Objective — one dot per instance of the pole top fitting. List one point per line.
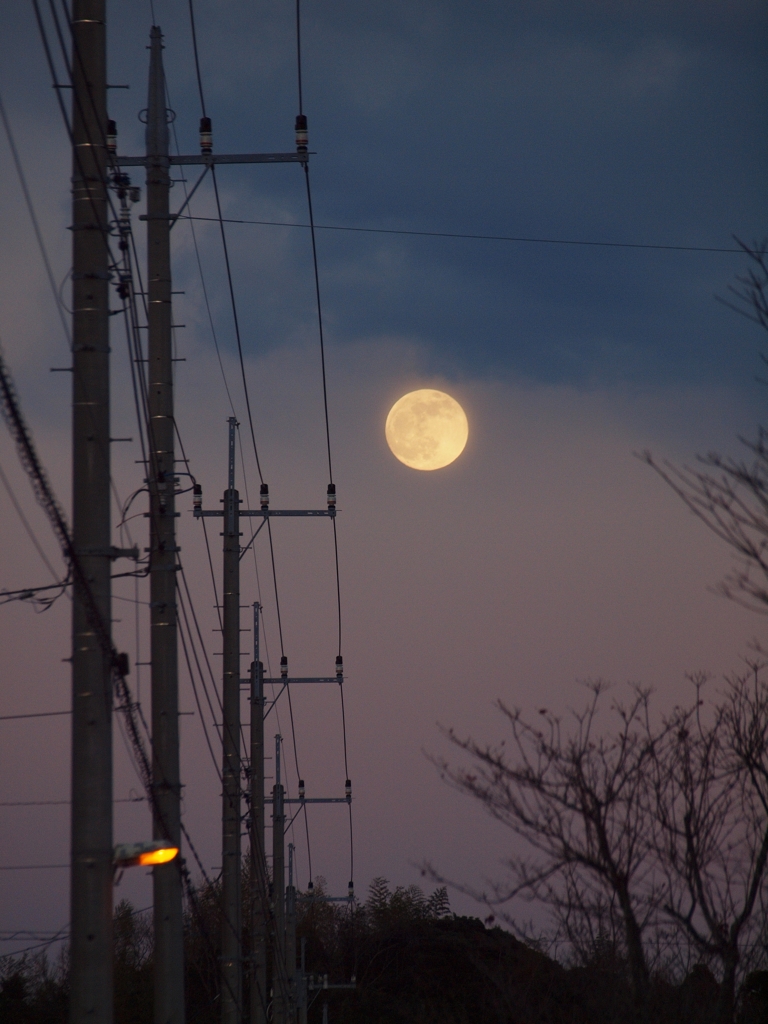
(206, 135)
(301, 133)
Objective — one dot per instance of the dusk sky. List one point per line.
(548, 553)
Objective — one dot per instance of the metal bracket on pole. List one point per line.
(270, 512)
(209, 159)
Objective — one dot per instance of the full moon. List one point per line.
(426, 429)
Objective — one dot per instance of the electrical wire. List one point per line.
(45, 496)
(31, 867)
(474, 237)
(241, 359)
(35, 223)
(52, 803)
(102, 228)
(197, 57)
(327, 428)
(202, 679)
(215, 340)
(263, 887)
(63, 933)
(125, 705)
(298, 56)
(29, 593)
(236, 321)
(211, 673)
(25, 523)
(319, 316)
(195, 245)
(35, 714)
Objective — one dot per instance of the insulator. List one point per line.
(301, 789)
(284, 666)
(206, 135)
(310, 886)
(264, 495)
(348, 790)
(331, 495)
(301, 133)
(339, 667)
(351, 890)
(134, 193)
(111, 137)
(197, 497)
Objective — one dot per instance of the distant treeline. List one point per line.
(414, 962)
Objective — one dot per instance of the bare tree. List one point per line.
(711, 824)
(731, 495)
(579, 800)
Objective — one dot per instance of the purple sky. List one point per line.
(547, 554)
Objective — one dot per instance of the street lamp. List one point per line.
(128, 855)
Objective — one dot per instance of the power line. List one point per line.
(102, 228)
(29, 594)
(33, 218)
(197, 57)
(331, 488)
(319, 318)
(61, 803)
(27, 527)
(236, 321)
(45, 496)
(61, 935)
(269, 915)
(32, 867)
(194, 238)
(35, 714)
(474, 237)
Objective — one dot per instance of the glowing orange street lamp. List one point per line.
(128, 855)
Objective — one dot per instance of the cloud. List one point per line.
(547, 552)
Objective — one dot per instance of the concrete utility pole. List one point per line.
(231, 945)
(231, 957)
(259, 995)
(168, 922)
(91, 835)
(302, 994)
(279, 973)
(290, 937)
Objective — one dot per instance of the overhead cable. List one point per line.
(35, 224)
(301, 121)
(475, 237)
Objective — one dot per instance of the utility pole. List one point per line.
(279, 972)
(231, 976)
(302, 995)
(290, 938)
(166, 784)
(231, 945)
(91, 822)
(259, 896)
(169, 1006)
